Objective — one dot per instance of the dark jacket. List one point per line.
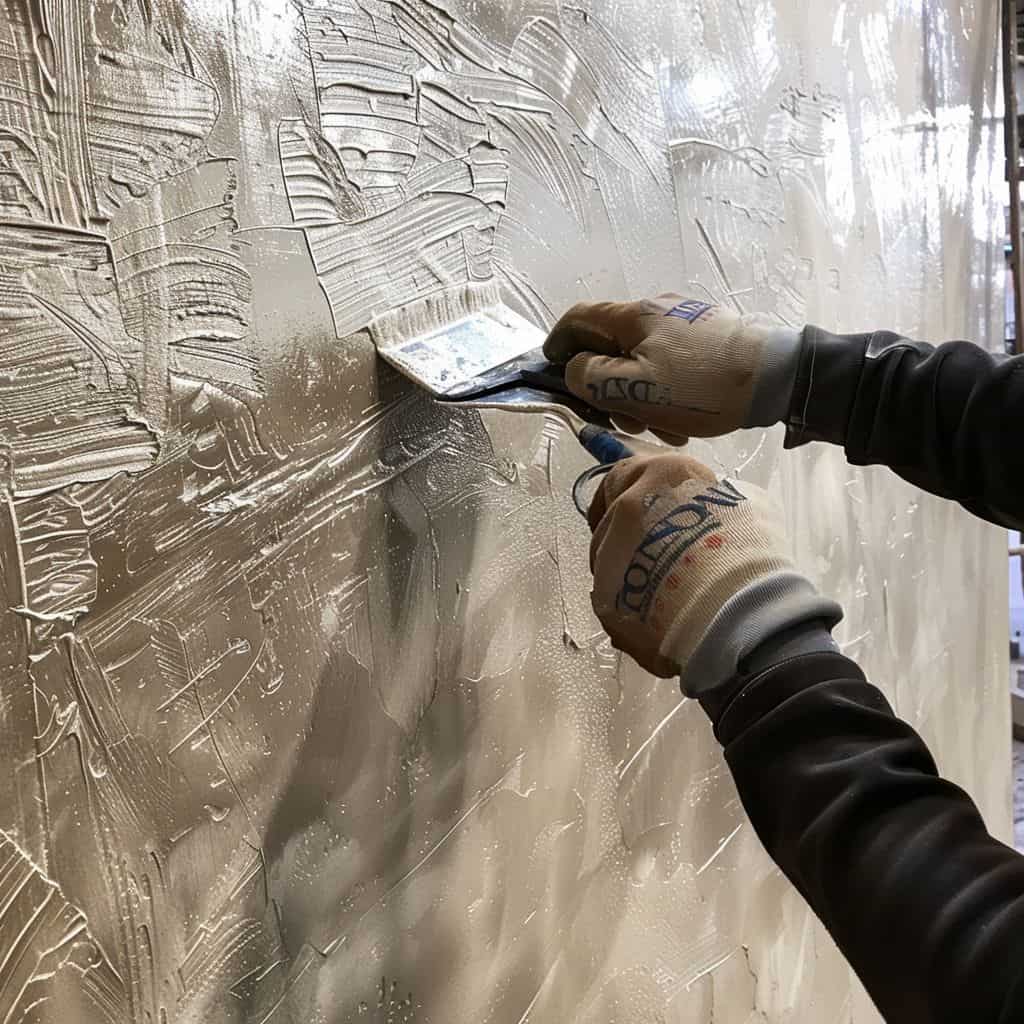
(897, 862)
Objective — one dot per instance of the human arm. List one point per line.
(897, 863)
(927, 907)
(947, 419)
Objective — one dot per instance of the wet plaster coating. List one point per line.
(305, 714)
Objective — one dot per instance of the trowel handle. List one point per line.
(608, 450)
(604, 446)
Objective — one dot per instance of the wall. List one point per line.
(305, 714)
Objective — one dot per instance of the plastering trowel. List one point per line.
(466, 347)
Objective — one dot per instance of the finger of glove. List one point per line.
(675, 440)
(616, 520)
(645, 475)
(649, 474)
(612, 551)
(628, 425)
(611, 328)
(599, 503)
(618, 385)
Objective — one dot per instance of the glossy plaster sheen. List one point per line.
(305, 715)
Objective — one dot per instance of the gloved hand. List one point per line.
(690, 573)
(681, 367)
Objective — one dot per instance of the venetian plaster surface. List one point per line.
(305, 716)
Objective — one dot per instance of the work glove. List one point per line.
(690, 572)
(682, 367)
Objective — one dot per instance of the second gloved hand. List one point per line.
(690, 572)
(683, 367)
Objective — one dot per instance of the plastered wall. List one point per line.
(304, 715)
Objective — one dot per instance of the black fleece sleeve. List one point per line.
(927, 907)
(948, 419)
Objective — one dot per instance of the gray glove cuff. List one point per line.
(763, 609)
(776, 379)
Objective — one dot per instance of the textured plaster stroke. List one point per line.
(56, 294)
(86, 361)
(270, 512)
(185, 285)
(24, 814)
(313, 720)
(625, 127)
(48, 173)
(69, 147)
(182, 271)
(103, 100)
(48, 949)
(60, 573)
(411, 155)
(441, 235)
(86, 143)
(410, 171)
(122, 784)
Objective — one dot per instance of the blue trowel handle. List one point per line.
(605, 447)
(608, 450)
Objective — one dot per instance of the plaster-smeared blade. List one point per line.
(460, 356)
(465, 346)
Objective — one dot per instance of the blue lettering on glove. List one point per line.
(690, 310)
(667, 541)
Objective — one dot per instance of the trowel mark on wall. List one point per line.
(150, 102)
(41, 106)
(402, 185)
(611, 107)
(79, 145)
(50, 950)
(542, 150)
(60, 573)
(734, 199)
(185, 285)
(438, 230)
(146, 122)
(188, 296)
(92, 759)
(401, 162)
(66, 394)
(88, 122)
(276, 506)
(803, 134)
(111, 101)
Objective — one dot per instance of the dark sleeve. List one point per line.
(948, 419)
(927, 907)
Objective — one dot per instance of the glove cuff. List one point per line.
(776, 378)
(763, 609)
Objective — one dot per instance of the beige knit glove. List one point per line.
(681, 367)
(690, 573)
